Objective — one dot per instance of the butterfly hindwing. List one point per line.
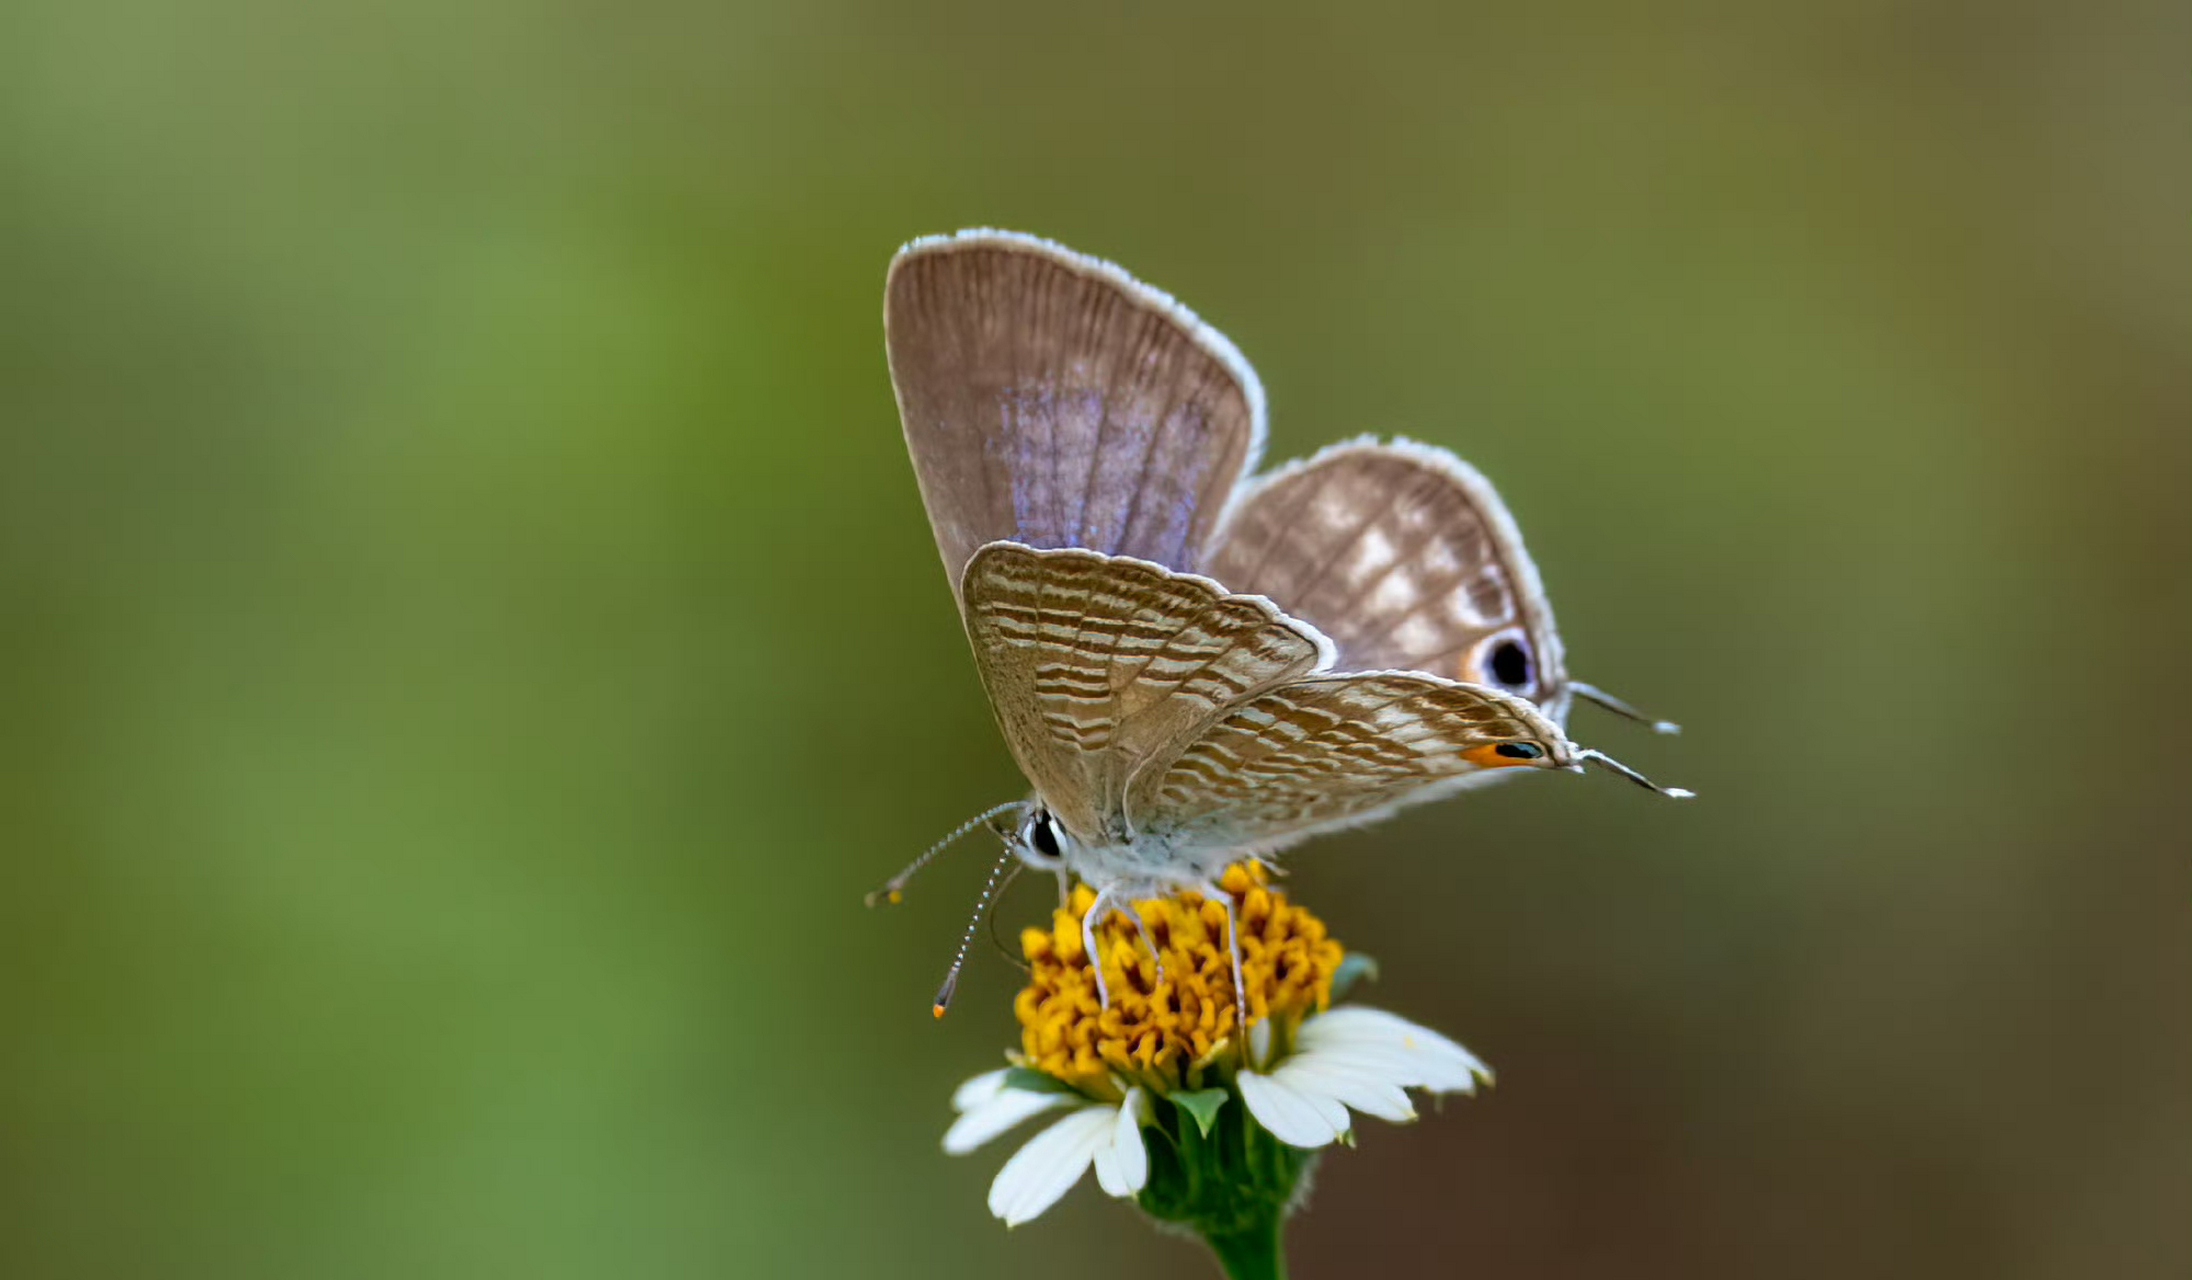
(1331, 751)
(1052, 400)
(1406, 557)
(1097, 665)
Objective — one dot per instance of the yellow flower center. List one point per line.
(1157, 1031)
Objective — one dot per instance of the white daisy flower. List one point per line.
(1237, 1118)
(1106, 1135)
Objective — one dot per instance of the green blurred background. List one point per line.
(472, 635)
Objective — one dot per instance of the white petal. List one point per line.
(1367, 1092)
(1358, 1024)
(1259, 1042)
(1290, 1117)
(1122, 1168)
(1424, 1057)
(1330, 1108)
(1392, 1066)
(1048, 1166)
(979, 1090)
(991, 1118)
(1108, 1174)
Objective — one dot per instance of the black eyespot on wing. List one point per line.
(1043, 834)
(1510, 665)
(1519, 751)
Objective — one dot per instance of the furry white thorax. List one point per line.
(1148, 866)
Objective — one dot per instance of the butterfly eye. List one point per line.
(1519, 751)
(1042, 835)
(1510, 664)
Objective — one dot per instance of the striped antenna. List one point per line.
(996, 940)
(1592, 693)
(1005, 860)
(1611, 765)
(895, 888)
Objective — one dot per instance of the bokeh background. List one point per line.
(472, 637)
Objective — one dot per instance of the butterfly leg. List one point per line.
(1213, 893)
(1097, 910)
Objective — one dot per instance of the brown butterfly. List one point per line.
(1190, 664)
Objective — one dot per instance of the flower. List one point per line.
(1171, 1034)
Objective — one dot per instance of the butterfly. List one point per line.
(1189, 662)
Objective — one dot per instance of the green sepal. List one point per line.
(1202, 1104)
(1354, 967)
(1029, 1080)
(1226, 1179)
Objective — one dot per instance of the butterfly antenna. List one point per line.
(1611, 765)
(1592, 693)
(997, 940)
(895, 888)
(950, 988)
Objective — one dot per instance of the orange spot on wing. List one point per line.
(1486, 757)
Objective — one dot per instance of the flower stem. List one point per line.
(1232, 1186)
(1251, 1253)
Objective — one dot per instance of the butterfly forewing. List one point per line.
(1098, 664)
(1052, 400)
(1328, 751)
(1404, 556)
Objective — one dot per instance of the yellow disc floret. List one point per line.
(1159, 1030)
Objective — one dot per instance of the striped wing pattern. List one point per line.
(1401, 553)
(1331, 750)
(1096, 665)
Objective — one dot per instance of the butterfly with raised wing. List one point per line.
(1191, 665)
